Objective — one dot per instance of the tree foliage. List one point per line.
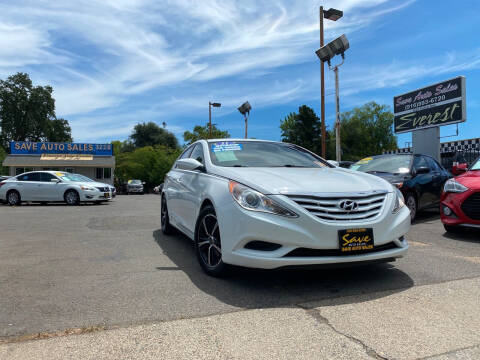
(27, 112)
(3, 154)
(202, 132)
(149, 163)
(304, 129)
(366, 131)
(150, 134)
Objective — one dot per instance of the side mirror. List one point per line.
(189, 164)
(56, 181)
(422, 170)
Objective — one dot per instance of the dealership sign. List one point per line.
(39, 148)
(435, 105)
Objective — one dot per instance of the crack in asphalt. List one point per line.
(315, 314)
(451, 352)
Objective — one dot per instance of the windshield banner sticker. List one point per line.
(226, 146)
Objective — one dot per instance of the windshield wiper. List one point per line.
(237, 165)
(294, 166)
(377, 172)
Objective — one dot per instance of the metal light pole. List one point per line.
(210, 104)
(245, 111)
(334, 15)
(338, 151)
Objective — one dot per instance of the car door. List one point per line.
(193, 183)
(423, 182)
(437, 179)
(27, 185)
(174, 191)
(48, 190)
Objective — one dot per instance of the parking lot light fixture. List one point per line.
(245, 111)
(332, 14)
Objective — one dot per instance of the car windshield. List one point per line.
(395, 164)
(134, 182)
(71, 177)
(476, 165)
(84, 178)
(262, 154)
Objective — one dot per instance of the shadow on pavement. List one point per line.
(253, 288)
(427, 215)
(464, 234)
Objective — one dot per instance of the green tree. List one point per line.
(150, 134)
(3, 155)
(27, 112)
(202, 132)
(58, 130)
(149, 163)
(366, 131)
(303, 128)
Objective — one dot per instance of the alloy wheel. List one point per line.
(71, 198)
(412, 206)
(209, 245)
(13, 198)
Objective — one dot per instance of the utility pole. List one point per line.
(322, 87)
(210, 104)
(338, 150)
(246, 126)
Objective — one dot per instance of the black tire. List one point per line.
(14, 198)
(452, 228)
(71, 197)
(167, 229)
(208, 243)
(411, 202)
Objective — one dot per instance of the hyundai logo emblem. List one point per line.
(348, 205)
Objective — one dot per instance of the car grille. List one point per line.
(103, 189)
(327, 208)
(471, 206)
(305, 252)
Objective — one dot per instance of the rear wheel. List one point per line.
(208, 245)
(13, 198)
(72, 198)
(167, 229)
(412, 205)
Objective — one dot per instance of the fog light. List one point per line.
(447, 211)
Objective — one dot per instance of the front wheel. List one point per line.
(208, 245)
(411, 203)
(167, 229)
(72, 198)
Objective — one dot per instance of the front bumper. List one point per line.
(135, 190)
(239, 227)
(454, 201)
(95, 196)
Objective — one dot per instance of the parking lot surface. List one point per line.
(95, 267)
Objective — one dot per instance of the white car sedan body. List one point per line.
(53, 186)
(266, 205)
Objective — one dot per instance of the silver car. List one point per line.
(52, 186)
(135, 187)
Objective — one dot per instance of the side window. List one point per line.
(420, 161)
(197, 153)
(432, 164)
(30, 177)
(46, 177)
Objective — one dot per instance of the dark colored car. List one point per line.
(420, 178)
(345, 164)
(460, 203)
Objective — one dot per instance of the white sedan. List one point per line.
(53, 186)
(265, 204)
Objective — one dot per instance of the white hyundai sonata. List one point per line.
(266, 204)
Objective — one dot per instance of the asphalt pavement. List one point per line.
(86, 269)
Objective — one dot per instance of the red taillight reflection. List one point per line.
(1, 184)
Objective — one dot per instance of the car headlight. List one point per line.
(453, 186)
(87, 188)
(399, 201)
(250, 199)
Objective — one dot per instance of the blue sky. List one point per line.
(114, 63)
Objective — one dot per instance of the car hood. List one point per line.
(470, 179)
(304, 180)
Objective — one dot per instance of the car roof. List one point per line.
(239, 139)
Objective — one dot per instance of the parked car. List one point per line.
(52, 186)
(460, 203)
(4, 177)
(420, 178)
(265, 204)
(135, 187)
(345, 164)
